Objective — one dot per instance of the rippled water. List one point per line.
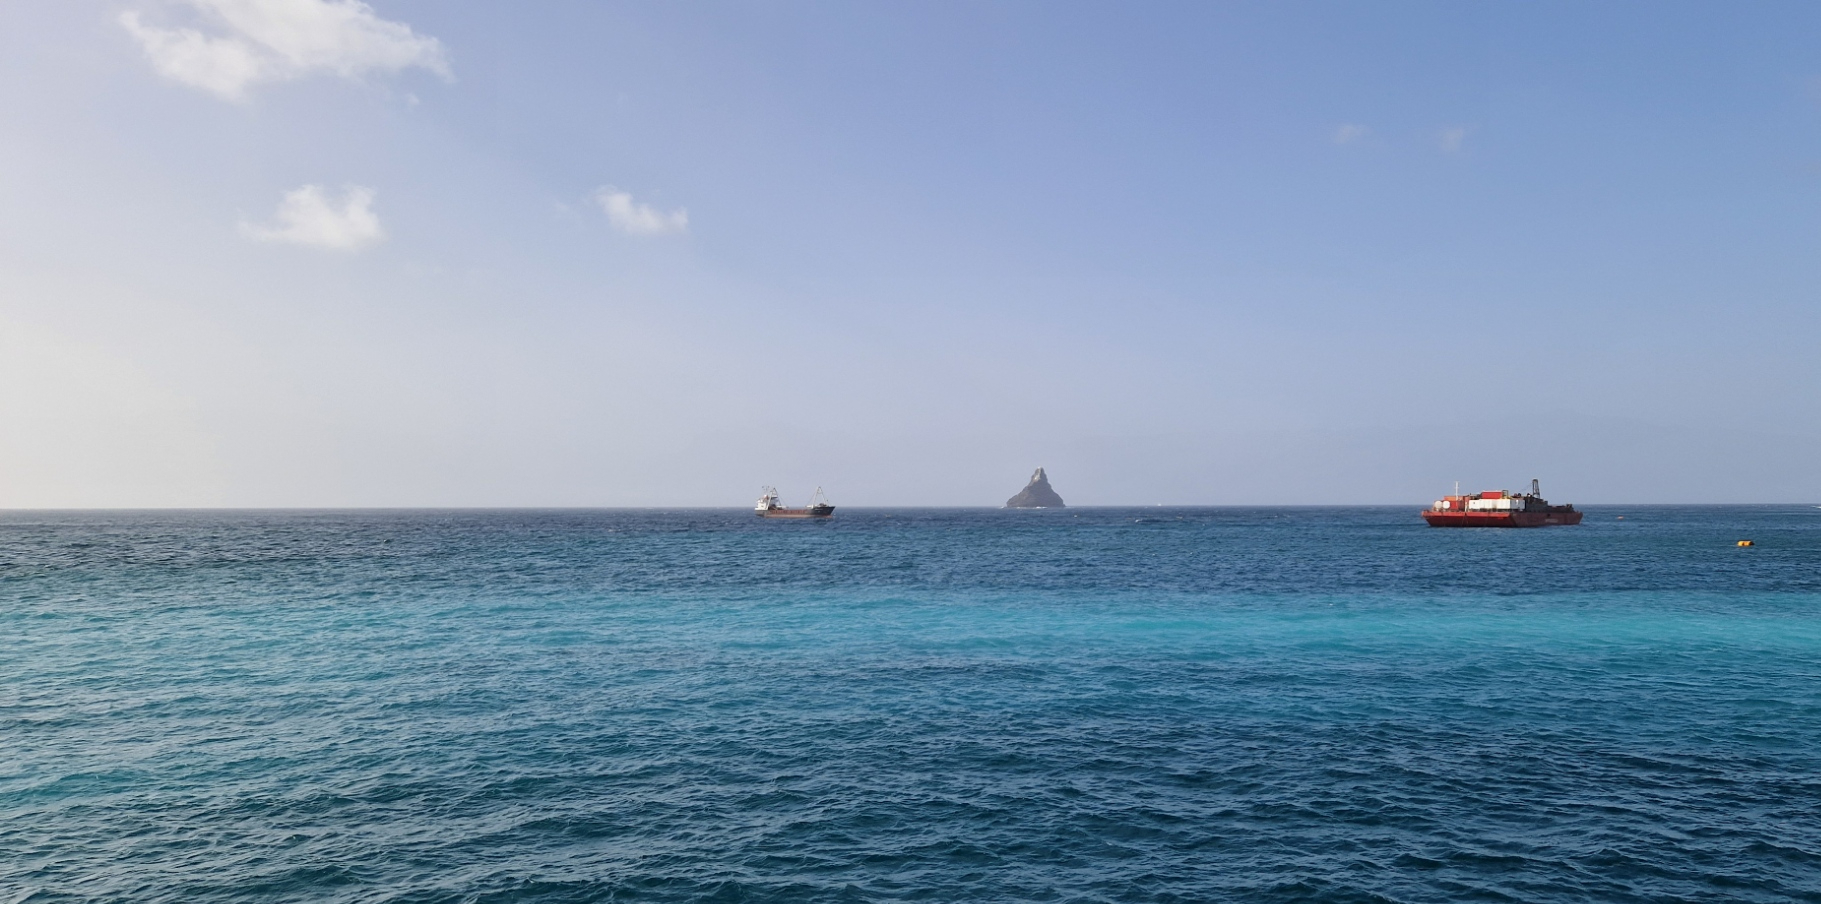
(1076, 705)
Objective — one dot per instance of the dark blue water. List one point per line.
(1093, 705)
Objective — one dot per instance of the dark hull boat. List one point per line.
(769, 507)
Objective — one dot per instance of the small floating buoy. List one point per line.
(1621, 517)
(1746, 543)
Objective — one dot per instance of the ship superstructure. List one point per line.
(1500, 508)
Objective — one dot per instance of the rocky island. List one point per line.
(1036, 494)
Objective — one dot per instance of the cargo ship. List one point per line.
(1499, 508)
(770, 507)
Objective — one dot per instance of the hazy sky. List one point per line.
(421, 252)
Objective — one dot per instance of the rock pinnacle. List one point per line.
(1036, 494)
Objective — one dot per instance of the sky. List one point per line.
(275, 253)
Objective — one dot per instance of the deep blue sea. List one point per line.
(1108, 705)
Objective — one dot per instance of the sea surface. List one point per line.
(1106, 705)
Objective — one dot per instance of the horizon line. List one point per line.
(725, 508)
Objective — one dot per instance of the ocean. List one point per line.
(1075, 705)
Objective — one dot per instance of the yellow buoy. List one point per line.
(1746, 543)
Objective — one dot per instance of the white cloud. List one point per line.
(633, 218)
(307, 216)
(1452, 138)
(1349, 133)
(275, 40)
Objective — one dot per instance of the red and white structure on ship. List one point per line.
(1500, 508)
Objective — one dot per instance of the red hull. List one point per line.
(1501, 519)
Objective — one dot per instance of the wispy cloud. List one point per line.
(307, 216)
(1451, 138)
(254, 41)
(1348, 133)
(633, 218)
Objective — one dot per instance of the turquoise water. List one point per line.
(932, 705)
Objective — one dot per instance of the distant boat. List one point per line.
(769, 506)
(1499, 508)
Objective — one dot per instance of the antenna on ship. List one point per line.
(1457, 488)
(1534, 490)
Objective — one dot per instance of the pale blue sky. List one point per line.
(663, 253)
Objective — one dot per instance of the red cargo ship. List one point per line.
(1499, 508)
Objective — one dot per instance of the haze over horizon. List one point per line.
(322, 253)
